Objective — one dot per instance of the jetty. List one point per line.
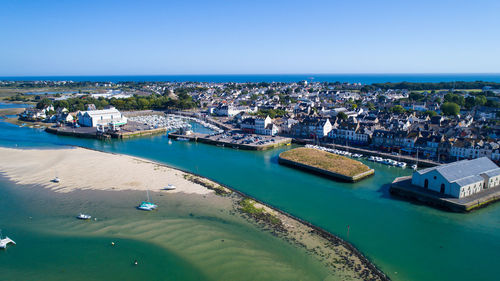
(403, 187)
(235, 140)
(325, 164)
(132, 129)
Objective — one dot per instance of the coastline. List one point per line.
(337, 254)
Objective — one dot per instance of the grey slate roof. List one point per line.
(462, 170)
(468, 180)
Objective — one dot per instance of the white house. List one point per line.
(94, 118)
(262, 126)
(459, 179)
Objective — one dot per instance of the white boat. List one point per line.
(56, 180)
(414, 166)
(169, 187)
(401, 164)
(84, 217)
(5, 241)
(147, 205)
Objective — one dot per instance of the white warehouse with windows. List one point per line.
(105, 117)
(459, 179)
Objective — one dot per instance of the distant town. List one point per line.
(443, 122)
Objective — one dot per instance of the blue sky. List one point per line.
(248, 37)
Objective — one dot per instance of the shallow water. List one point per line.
(408, 241)
(188, 238)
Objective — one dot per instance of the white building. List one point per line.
(459, 179)
(105, 117)
(229, 110)
(261, 126)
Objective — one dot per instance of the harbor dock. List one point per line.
(131, 129)
(235, 140)
(403, 187)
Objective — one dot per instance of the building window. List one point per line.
(434, 177)
(442, 188)
(426, 183)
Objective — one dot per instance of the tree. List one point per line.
(481, 100)
(370, 106)
(43, 103)
(470, 102)
(398, 109)
(454, 98)
(450, 108)
(342, 116)
(414, 96)
(430, 113)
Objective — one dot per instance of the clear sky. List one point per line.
(125, 37)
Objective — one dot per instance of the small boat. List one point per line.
(147, 205)
(414, 166)
(169, 187)
(401, 164)
(84, 217)
(5, 241)
(56, 180)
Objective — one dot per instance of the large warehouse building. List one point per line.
(459, 179)
(105, 117)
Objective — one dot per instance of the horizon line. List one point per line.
(256, 74)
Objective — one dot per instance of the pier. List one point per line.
(238, 141)
(132, 129)
(403, 187)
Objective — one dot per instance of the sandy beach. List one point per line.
(82, 169)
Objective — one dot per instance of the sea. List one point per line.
(255, 78)
(406, 240)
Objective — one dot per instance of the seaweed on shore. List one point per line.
(246, 205)
(219, 190)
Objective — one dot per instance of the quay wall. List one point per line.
(231, 145)
(423, 163)
(402, 187)
(95, 135)
(323, 172)
(55, 131)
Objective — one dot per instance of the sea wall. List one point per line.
(197, 138)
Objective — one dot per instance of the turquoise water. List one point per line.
(408, 241)
(183, 240)
(352, 78)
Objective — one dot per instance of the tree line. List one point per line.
(183, 101)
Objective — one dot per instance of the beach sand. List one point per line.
(79, 168)
(82, 169)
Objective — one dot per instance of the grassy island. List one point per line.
(325, 163)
